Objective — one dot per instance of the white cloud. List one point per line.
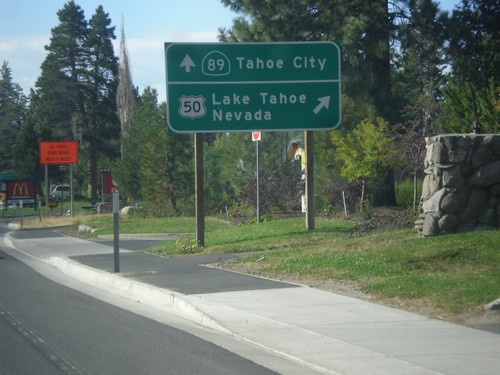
(25, 55)
(147, 58)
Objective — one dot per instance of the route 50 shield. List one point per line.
(192, 106)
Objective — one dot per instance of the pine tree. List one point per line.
(59, 85)
(473, 92)
(25, 149)
(366, 31)
(364, 28)
(77, 87)
(12, 113)
(156, 166)
(100, 133)
(419, 81)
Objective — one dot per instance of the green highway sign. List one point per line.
(225, 87)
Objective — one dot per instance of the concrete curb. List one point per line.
(158, 298)
(146, 236)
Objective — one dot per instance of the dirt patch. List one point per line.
(383, 218)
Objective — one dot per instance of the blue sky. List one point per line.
(25, 28)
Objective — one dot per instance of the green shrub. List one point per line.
(404, 193)
(186, 245)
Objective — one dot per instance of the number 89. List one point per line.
(214, 65)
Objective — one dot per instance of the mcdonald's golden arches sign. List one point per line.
(17, 190)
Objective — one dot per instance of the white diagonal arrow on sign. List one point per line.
(187, 63)
(324, 102)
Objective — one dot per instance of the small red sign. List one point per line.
(58, 152)
(256, 136)
(107, 183)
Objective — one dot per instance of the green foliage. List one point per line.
(364, 211)
(12, 114)
(364, 153)
(228, 165)
(187, 245)
(25, 150)
(404, 193)
(230, 173)
(418, 82)
(474, 53)
(156, 166)
(463, 102)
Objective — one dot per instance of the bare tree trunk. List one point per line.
(362, 203)
(92, 171)
(125, 98)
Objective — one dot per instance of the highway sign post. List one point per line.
(228, 87)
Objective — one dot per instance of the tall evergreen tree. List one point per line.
(77, 87)
(156, 166)
(473, 92)
(100, 133)
(419, 80)
(364, 28)
(12, 113)
(62, 106)
(366, 31)
(25, 149)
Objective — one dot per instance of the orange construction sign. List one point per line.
(59, 152)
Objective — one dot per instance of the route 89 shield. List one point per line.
(192, 106)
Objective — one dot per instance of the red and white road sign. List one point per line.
(256, 136)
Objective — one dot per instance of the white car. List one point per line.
(61, 191)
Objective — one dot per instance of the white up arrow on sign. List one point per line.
(187, 63)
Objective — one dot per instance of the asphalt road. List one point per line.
(48, 328)
(186, 274)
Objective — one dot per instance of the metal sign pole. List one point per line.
(72, 202)
(258, 180)
(21, 212)
(199, 193)
(116, 227)
(46, 190)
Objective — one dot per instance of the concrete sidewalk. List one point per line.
(330, 333)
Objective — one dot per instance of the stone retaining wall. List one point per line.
(461, 189)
